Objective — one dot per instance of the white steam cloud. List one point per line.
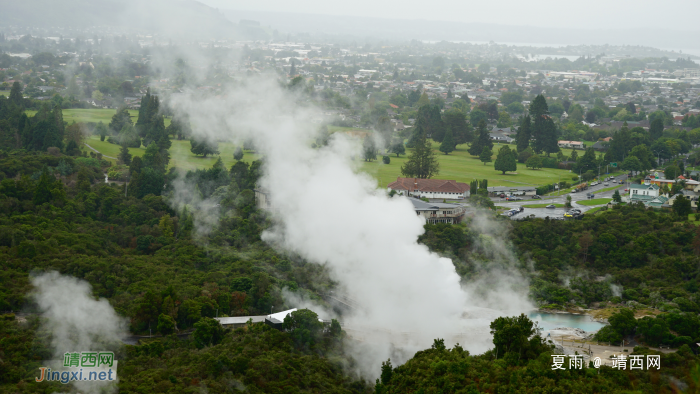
(329, 213)
(76, 321)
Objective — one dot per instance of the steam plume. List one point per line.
(75, 320)
(328, 212)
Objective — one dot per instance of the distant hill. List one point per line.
(173, 18)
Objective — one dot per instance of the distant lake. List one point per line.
(548, 321)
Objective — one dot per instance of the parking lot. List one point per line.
(558, 213)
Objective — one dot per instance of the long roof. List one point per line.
(429, 185)
(420, 205)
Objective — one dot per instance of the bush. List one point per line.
(608, 334)
(386, 160)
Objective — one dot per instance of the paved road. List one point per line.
(559, 212)
(109, 157)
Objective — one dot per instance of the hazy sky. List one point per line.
(595, 14)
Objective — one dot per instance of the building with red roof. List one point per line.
(430, 188)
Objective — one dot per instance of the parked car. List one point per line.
(513, 198)
(502, 195)
(574, 191)
(551, 206)
(536, 197)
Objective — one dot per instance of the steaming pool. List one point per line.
(549, 321)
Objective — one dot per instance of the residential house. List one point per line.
(571, 144)
(500, 137)
(430, 188)
(644, 193)
(438, 212)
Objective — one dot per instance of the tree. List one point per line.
(516, 335)
(525, 154)
(203, 148)
(238, 154)
(587, 161)
(423, 100)
(42, 193)
(448, 143)
(534, 162)
(386, 159)
(124, 155)
(101, 130)
(568, 202)
(369, 149)
(504, 120)
(72, 148)
(538, 107)
(457, 122)
(303, 327)
(207, 332)
(397, 147)
(522, 137)
(672, 172)
(574, 156)
(483, 140)
(166, 324)
(631, 163)
(656, 129)
(591, 116)
(431, 119)
(505, 161)
(476, 116)
(120, 119)
(422, 162)
(681, 206)
(616, 196)
(485, 155)
(16, 94)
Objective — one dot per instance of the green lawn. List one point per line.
(542, 205)
(595, 201)
(593, 210)
(93, 115)
(5, 93)
(607, 189)
(462, 167)
(180, 155)
(335, 129)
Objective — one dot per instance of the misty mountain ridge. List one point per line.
(173, 18)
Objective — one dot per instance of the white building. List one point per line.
(430, 188)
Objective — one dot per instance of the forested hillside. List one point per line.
(167, 273)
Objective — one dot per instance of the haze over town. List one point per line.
(386, 198)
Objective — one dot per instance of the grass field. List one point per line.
(180, 155)
(5, 93)
(458, 165)
(93, 115)
(607, 189)
(542, 205)
(462, 167)
(595, 201)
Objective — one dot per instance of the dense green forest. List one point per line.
(155, 265)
